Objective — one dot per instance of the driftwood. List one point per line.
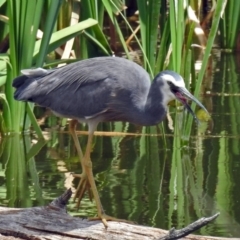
(53, 223)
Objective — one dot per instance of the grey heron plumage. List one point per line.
(99, 90)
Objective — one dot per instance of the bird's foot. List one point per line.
(83, 186)
(105, 218)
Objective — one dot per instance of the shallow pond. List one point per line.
(152, 180)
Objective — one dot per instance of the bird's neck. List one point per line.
(153, 110)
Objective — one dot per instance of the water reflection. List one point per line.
(147, 179)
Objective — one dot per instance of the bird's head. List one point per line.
(174, 88)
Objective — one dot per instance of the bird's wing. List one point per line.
(82, 89)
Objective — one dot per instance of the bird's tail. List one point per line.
(21, 82)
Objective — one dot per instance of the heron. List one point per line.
(102, 89)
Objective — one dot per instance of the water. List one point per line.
(143, 178)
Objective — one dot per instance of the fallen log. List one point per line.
(53, 223)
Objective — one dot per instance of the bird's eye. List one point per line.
(172, 87)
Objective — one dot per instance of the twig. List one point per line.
(61, 202)
(176, 234)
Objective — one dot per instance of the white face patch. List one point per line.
(169, 78)
(175, 79)
(167, 94)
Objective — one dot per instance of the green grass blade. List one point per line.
(7, 118)
(97, 40)
(51, 20)
(213, 31)
(143, 19)
(35, 12)
(60, 37)
(153, 19)
(109, 9)
(172, 16)
(2, 2)
(33, 120)
(161, 55)
(235, 23)
(34, 150)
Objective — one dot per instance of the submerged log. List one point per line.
(53, 223)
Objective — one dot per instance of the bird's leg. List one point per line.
(87, 165)
(83, 184)
(72, 130)
(87, 181)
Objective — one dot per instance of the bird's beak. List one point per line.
(181, 95)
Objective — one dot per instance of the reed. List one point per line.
(229, 25)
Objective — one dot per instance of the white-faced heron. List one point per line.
(102, 89)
